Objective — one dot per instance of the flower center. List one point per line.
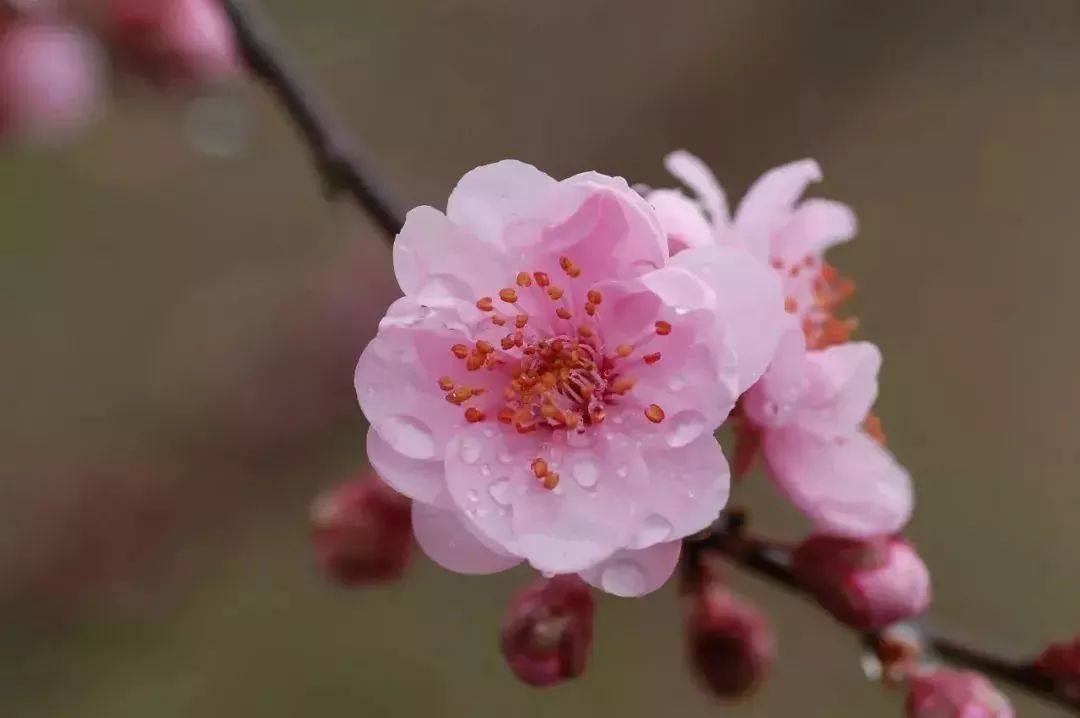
(817, 290)
(559, 372)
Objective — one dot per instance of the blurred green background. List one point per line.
(180, 330)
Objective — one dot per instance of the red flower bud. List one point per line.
(362, 532)
(731, 644)
(947, 693)
(1061, 662)
(866, 584)
(547, 631)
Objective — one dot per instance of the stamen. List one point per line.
(460, 395)
(663, 328)
(484, 304)
(551, 481)
(652, 358)
(498, 321)
(507, 342)
(791, 305)
(539, 468)
(624, 350)
(484, 347)
(569, 267)
(590, 309)
(524, 280)
(508, 295)
(555, 293)
(595, 297)
(542, 279)
(446, 383)
(474, 362)
(521, 320)
(460, 351)
(622, 385)
(563, 313)
(506, 416)
(654, 414)
(474, 415)
(586, 331)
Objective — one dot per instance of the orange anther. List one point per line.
(484, 347)
(624, 350)
(474, 415)
(523, 279)
(548, 411)
(563, 313)
(460, 395)
(484, 304)
(542, 279)
(539, 468)
(498, 321)
(446, 383)
(775, 263)
(572, 420)
(507, 342)
(590, 309)
(586, 331)
(508, 295)
(554, 292)
(506, 416)
(519, 339)
(460, 351)
(791, 305)
(551, 481)
(595, 297)
(623, 384)
(654, 414)
(663, 328)
(474, 362)
(549, 380)
(652, 358)
(521, 320)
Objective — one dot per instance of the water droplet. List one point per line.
(681, 310)
(586, 474)
(655, 529)
(623, 471)
(684, 427)
(469, 451)
(579, 440)
(489, 432)
(623, 579)
(555, 453)
(473, 496)
(676, 383)
(409, 436)
(501, 491)
(504, 457)
(485, 470)
(619, 418)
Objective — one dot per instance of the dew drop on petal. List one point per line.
(501, 491)
(505, 457)
(469, 451)
(489, 432)
(473, 496)
(623, 579)
(684, 427)
(485, 470)
(579, 440)
(409, 436)
(623, 471)
(676, 383)
(655, 529)
(585, 473)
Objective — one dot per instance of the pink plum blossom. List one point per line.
(51, 81)
(548, 387)
(809, 410)
(948, 693)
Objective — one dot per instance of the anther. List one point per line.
(539, 468)
(791, 305)
(506, 416)
(586, 331)
(521, 320)
(474, 415)
(624, 350)
(460, 395)
(563, 313)
(595, 297)
(508, 295)
(542, 279)
(555, 293)
(551, 480)
(507, 342)
(654, 414)
(622, 385)
(652, 358)
(663, 328)
(474, 362)
(460, 351)
(446, 383)
(498, 321)
(484, 304)
(569, 267)
(590, 309)
(524, 280)
(484, 347)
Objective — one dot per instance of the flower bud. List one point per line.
(867, 585)
(547, 631)
(731, 644)
(362, 532)
(947, 693)
(1061, 663)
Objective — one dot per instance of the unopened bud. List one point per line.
(731, 644)
(867, 585)
(947, 693)
(362, 532)
(547, 631)
(1061, 663)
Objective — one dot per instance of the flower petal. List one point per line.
(841, 384)
(632, 573)
(490, 198)
(848, 486)
(447, 540)
(769, 202)
(684, 223)
(423, 481)
(815, 226)
(696, 175)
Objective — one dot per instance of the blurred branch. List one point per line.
(335, 159)
(772, 561)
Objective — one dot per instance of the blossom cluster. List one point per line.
(54, 56)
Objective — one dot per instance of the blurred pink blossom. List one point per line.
(51, 81)
(947, 693)
(809, 410)
(867, 585)
(547, 632)
(732, 646)
(549, 386)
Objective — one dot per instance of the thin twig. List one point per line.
(341, 171)
(772, 561)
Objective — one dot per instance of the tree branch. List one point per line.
(342, 173)
(772, 561)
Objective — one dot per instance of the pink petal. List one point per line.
(774, 400)
(423, 481)
(684, 491)
(815, 226)
(769, 203)
(632, 573)
(683, 220)
(841, 385)
(490, 198)
(848, 486)
(749, 308)
(696, 175)
(447, 540)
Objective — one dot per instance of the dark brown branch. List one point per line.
(341, 171)
(772, 561)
